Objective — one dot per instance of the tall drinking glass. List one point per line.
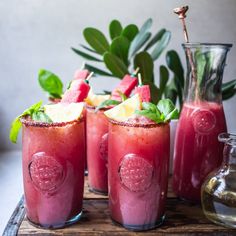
(197, 151)
(138, 157)
(97, 137)
(53, 172)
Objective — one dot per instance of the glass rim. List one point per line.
(90, 107)
(207, 45)
(29, 122)
(136, 125)
(227, 138)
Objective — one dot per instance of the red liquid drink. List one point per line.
(197, 150)
(97, 137)
(138, 173)
(53, 172)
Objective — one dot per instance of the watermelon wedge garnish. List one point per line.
(144, 92)
(126, 86)
(77, 92)
(81, 74)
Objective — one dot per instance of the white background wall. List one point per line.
(39, 33)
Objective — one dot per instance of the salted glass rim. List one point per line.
(207, 45)
(140, 125)
(25, 120)
(90, 107)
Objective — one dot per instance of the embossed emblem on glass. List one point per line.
(135, 173)
(46, 172)
(204, 121)
(104, 147)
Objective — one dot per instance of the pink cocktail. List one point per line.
(138, 173)
(53, 172)
(197, 150)
(97, 137)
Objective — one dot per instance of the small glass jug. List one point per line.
(218, 193)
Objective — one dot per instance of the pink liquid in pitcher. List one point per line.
(197, 150)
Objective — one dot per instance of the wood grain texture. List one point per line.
(181, 219)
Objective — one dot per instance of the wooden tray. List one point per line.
(181, 219)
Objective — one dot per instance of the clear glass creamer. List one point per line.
(197, 150)
(219, 190)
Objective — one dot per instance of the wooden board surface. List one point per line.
(181, 219)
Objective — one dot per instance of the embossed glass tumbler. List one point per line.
(197, 151)
(97, 135)
(138, 161)
(53, 172)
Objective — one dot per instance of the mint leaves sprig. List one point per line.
(50, 83)
(160, 113)
(36, 113)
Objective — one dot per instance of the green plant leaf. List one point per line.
(16, 124)
(97, 70)
(96, 39)
(115, 29)
(88, 49)
(154, 90)
(161, 45)
(138, 42)
(141, 38)
(174, 63)
(106, 92)
(85, 55)
(120, 47)
(130, 31)
(201, 64)
(228, 85)
(179, 90)
(155, 39)
(107, 103)
(228, 94)
(50, 83)
(144, 61)
(115, 65)
(228, 89)
(147, 25)
(168, 109)
(170, 92)
(164, 77)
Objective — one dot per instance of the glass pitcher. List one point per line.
(197, 151)
(219, 189)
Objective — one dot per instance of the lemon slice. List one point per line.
(126, 109)
(64, 112)
(96, 100)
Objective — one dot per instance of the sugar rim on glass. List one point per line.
(141, 125)
(27, 121)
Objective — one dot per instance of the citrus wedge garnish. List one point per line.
(96, 99)
(126, 109)
(64, 112)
